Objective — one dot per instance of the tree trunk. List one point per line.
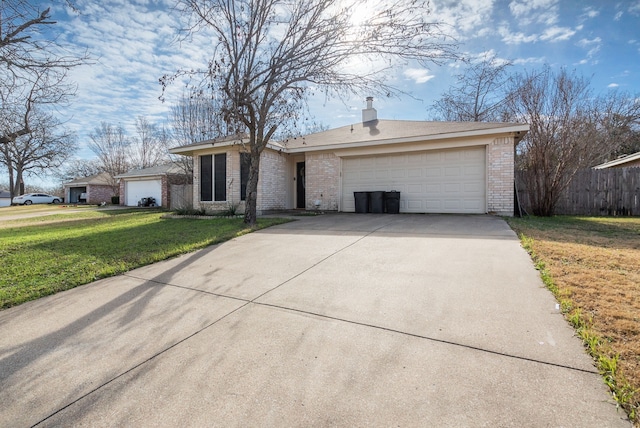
(250, 212)
(18, 185)
(543, 193)
(12, 189)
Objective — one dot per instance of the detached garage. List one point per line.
(94, 189)
(136, 189)
(154, 182)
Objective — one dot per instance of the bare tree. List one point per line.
(111, 145)
(195, 118)
(149, 147)
(33, 69)
(479, 94)
(76, 168)
(268, 56)
(568, 131)
(45, 147)
(616, 119)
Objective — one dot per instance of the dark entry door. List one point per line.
(300, 194)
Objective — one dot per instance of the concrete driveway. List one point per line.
(335, 320)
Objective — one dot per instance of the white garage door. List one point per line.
(442, 181)
(136, 190)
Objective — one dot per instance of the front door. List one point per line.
(300, 193)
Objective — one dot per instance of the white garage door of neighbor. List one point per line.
(439, 181)
(136, 190)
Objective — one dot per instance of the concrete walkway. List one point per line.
(335, 320)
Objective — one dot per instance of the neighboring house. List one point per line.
(622, 162)
(151, 182)
(439, 167)
(5, 198)
(94, 189)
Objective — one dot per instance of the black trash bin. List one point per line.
(392, 202)
(376, 201)
(362, 201)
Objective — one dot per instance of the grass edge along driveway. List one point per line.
(50, 254)
(592, 266)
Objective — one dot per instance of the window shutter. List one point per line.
(206, 178)
(220, 177)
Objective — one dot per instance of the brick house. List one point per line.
(94, 189)
(153, 182)
(438, 167)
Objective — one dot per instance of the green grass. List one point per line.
(49, 254)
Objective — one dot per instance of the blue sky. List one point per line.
(133, 43)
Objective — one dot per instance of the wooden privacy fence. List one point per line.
(181, 196)
(599, 192)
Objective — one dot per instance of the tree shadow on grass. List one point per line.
(607, 232)
(41, 374)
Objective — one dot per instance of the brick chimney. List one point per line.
(369, 114)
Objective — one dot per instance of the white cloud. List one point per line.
(635, 8)
(131, 42)
(550, 34)
(556, 34)
(515, 38)
(618, 16)
(520, 8)
(535, 11)
(592, 45)
(530, 60)
(590, 12)
(491, 53)
(418, 75)
(585, 43)
(612, 85)
(464, 18)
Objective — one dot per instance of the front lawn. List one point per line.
(592, 264)
(45, 255)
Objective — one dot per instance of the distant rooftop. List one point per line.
(169, 168)
(98, 179)
(620, 161)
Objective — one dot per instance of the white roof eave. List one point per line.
(188, 150)
(518, 131)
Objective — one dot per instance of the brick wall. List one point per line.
(96, 194)
(196, 183)
(122, 198)
(500, 176)
(322, 181)
(272, 185)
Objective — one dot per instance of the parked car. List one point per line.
(36, 198)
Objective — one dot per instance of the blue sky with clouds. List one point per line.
(134, 44)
